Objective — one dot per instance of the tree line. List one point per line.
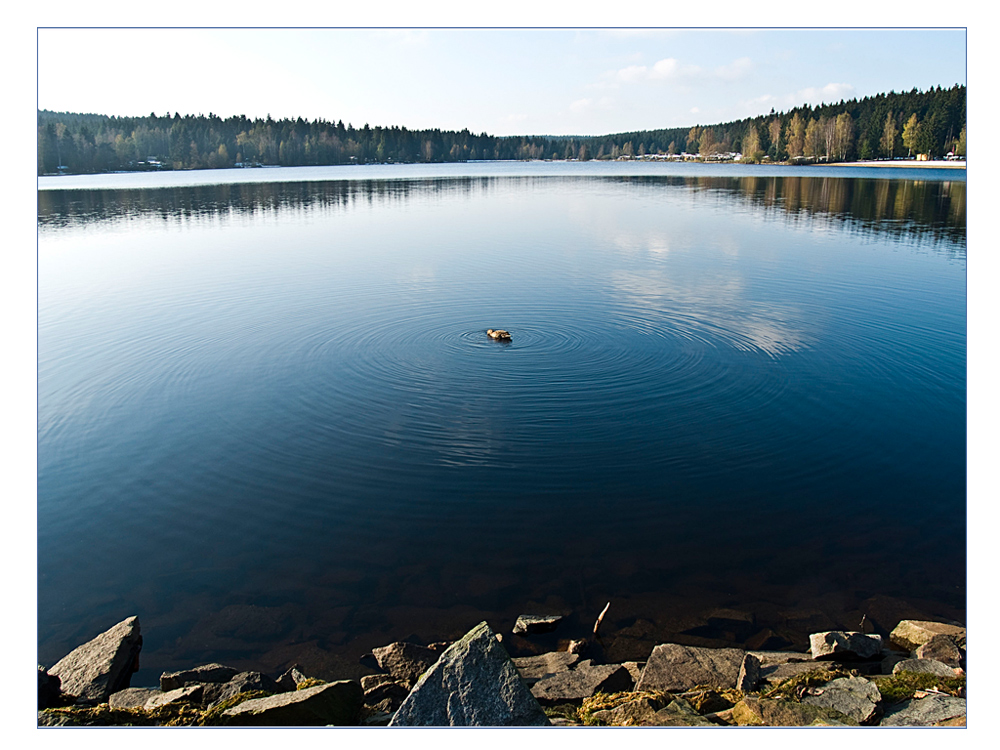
(883, 126)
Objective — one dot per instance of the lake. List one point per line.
(271, 423)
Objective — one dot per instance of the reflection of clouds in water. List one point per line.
(637, 242)
(711, 308)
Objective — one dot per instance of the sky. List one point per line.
(498, 81)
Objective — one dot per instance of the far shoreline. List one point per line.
(937, 164)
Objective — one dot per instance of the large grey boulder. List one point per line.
(405, 661)
(845, 645)
(576, 685)
(855, 697)
(474, 683)
(292, 677)
(204, 673)
(336, 703)
(676, 668)
(536, 624)
(922, 712)
(924, 666)
(912, 634)
(102, 666)
(534, 668)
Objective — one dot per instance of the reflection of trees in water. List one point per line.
(932, 210)
(929, 210)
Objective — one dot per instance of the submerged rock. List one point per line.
(48, 688)
(102, 666)
(474, 683)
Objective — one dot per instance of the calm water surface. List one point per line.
(271, 424)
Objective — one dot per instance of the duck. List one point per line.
(498, 335)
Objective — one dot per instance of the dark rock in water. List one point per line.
(186, 694)
(405, 661)
(924, 666)
(102, 666)
(48, 688)
(474, 683)
(922, 712)
(912, 634)
(845, 645)
(942, 648)
(536, 624)
(244, 682)
(734, 621)
(855, 697)
(574, 686)
(749, 674)
(133, 697)
(337, 703)
(534, 668)
(205, 673)
(767, 640)
(673, 667)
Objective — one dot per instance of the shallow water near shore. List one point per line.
(271, 423)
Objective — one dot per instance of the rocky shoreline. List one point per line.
(916, 678)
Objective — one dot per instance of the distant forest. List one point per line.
(885, 126)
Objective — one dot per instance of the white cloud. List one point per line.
(671, 69)
(832, 92)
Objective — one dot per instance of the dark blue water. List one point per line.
(271, 424)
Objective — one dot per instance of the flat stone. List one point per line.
(578, 684)
(754, 711)
(941, 648)
(405, 661)
(781, 672)
(912, 634)
(370, 681)
(337, 703)
(771, 658)
(673, 667)
(767, 639)
(474, 683)
(534, 668)
(536, 624)
(844, 645)
(204, 673)
(855, 697)
(186, 694)
(749, 674)
(924, 666)
(102, 666)
(48, 688)
(133, 697)
(922, 712)
(244, 682)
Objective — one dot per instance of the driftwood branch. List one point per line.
(601, 617)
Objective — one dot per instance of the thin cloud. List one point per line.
(832, 92)
(671, 69)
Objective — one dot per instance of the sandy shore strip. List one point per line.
(899, 163)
